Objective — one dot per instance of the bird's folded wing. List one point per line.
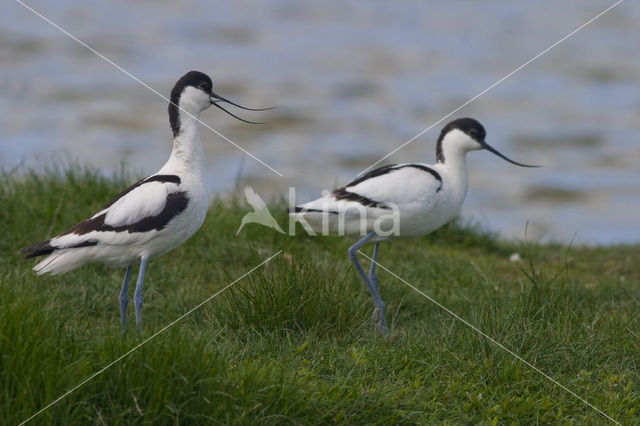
(397, 184)
(378, 191)
(132, 217)
(147, 200)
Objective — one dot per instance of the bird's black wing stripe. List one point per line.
(373, 173)
(87, 243)
(38, 249)
(388, 169)
(157, 178)
(45, 247)
(298, 209)
(343, 194)
(428, 170)
(164, 179)
(176, 203)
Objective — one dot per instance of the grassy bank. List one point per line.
(291, 343)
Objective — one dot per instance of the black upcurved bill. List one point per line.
(499, 154)
(235, 116)
(220, 98)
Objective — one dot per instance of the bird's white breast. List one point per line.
(429, 211)
(183, 226)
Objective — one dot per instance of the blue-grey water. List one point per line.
(352, 80)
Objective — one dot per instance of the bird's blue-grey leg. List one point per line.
(373, 278)
(379, 316)
(378, 311)
(124, 298)
(137, 296)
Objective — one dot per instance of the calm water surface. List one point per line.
(353, 81)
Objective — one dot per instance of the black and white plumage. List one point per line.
(152, 216)
(137, 218)
(400, 200)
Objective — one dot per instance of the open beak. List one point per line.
(215, 99)
(499, 154)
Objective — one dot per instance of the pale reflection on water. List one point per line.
(353, 81)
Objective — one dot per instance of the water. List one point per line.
(353, 80)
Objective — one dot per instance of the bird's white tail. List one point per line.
(61, 261)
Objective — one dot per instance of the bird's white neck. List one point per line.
(455, 169)
(187, 154)
(454, 156)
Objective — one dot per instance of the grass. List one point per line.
(291, 343)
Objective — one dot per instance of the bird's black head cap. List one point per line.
(196, 79)
(470, 126)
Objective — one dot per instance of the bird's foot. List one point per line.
(380, 321)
